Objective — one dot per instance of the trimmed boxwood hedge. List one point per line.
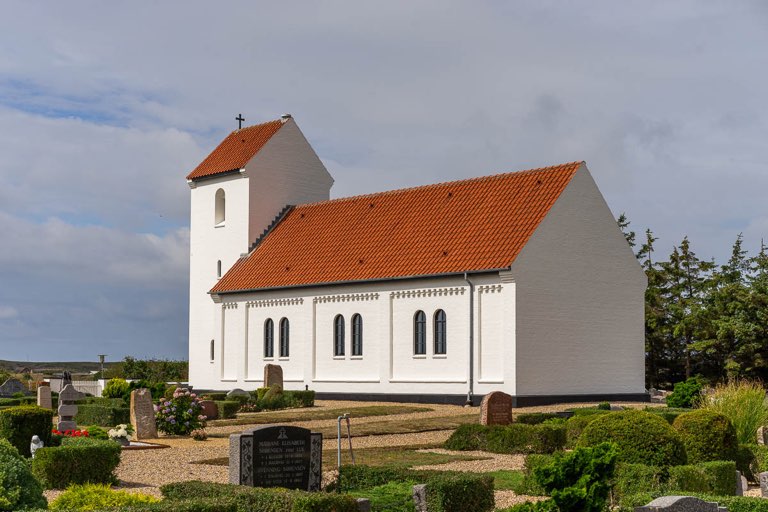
(642, 438)
(707, 436)
(227, 408)
(576, 425)
(78, 460)
(102, 415)
(715, 477)
(19, 424)
(514, 438)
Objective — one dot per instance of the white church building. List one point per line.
(520, 282)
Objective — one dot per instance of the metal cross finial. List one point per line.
(239, 120)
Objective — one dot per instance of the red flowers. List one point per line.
(70, 433)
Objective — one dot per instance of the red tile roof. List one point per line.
(236, 150)
(471, 225)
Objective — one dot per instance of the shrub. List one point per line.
(521, 438)
(715, 477)
(670, 414)
(459, 493)
(96, 432)
(604, 406)
(514, 438)
(10, 402)
(199, 435)
(641, 437)
(534, 418)
(78, 460)
(19, 424)
(707, 436)
(19, 490)
(101, 415)
(180, 414)
(577, 481)
(253, 498)
(576, 425)
(686, 394)
(743, 403)
(389, 497)
(227, 408)
(631, 479)
(273, 399)
(529, 485)
(304, 398)
(115, 388)
(97, 496)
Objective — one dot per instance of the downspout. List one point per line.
(471, 338)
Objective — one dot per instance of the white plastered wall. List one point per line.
(388, 364)
(580, 308)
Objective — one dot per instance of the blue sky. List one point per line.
(105, 107)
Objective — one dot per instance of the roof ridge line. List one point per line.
(443, 183)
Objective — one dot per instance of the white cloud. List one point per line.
(7, 312)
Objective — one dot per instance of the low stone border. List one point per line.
(141, 445)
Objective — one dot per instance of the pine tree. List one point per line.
(655, 321)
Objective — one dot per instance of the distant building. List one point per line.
(520, 282)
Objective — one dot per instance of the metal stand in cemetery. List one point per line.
(277, 456)
(349, 437)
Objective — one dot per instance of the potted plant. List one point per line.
(121, 434)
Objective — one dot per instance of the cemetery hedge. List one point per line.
(707, 435)
(102, 415)
(641, 437)
(19, 424)
(77, 461)
(715, 477)
(534, 418)
(513, 438)
(227, 408)
(19, 489)
(576, 424)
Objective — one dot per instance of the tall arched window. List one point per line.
(220, 214)
(212, 351)
(440, 333)
(285, 329)
(338, 335)
(419, 333)
(357, 335)
(269, 338)
(218, 268)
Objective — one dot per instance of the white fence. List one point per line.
(94, 387)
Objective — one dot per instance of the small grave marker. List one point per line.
(67, 408)
(273, 374)
(496, 409)
(143, 414)
(44, 397)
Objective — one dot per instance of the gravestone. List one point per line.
(276, 456)
(44, 397)
(273, 374)
(237, 392)
(496, 409)
(680, 504)
(210, 409)
(761, 435)
(67, 408)
(763, 479)
(741, 484)
(420, 497)
(11, 386)
(143, 414)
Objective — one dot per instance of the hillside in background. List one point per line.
(54, 367)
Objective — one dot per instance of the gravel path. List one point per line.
(146, 470)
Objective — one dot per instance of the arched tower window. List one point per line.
(220, 213)
(269, 338)
(338, 335)
(440, 333)
(419, 333)
(212, 351)
(285, 329)
(218, 268)
(357, 335)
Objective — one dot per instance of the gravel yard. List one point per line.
(145, 470)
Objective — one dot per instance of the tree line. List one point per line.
(703, 318)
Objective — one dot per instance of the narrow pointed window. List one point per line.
(419, 333)
(357, 335)
(285, 329)
(269, 338)
(212, 351)
(338, 335)
(218, 268)
(440, 332)
(220, 213)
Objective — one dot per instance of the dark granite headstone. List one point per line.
(67, 408)
(680, 504)
(11, 386)
(276, 456)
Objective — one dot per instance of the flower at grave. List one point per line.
(180, 414)
(121, 431)
(193, 395)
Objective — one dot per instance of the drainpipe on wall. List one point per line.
(471, 338)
